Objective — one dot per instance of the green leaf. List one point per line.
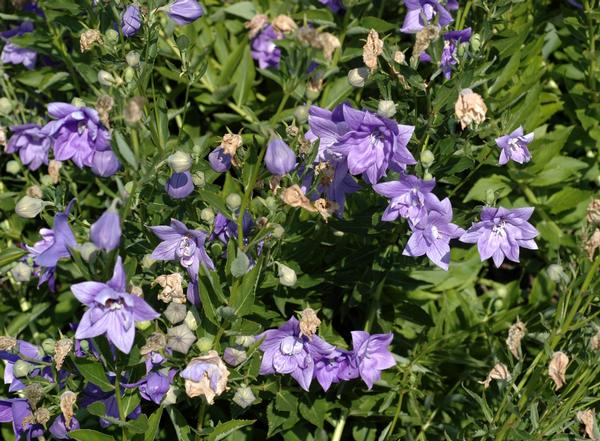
(124, 150)
(93, 372)
(208, 304)
(223, 430)
(130, 402)
(231, 64)
(21, 321)
(244, 78)
(153, 425)
(90, 435)
(181, 426)
(242, 298)
(245, 10)
(500, 185)
(378, 24)
(558, 170)
(10, 255)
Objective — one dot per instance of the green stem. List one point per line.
(122, 415)
(201, 414)
(461, 21)
(339, 428)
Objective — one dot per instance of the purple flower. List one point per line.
(334, 183)
(448, 58)
(501, 232)
(514, 146)
(77, 132)
(219, 160)
(59, 429)
(31, 354)
(432, 234)
(452, 5)
(31, 143)
(111, 310)
(180, 243)
(105, 163)
(280, 158)
(421, 12)
(409, 197)
(328, 127)
(13, 54)
(106, 231)
(157, 381)
(225, 228)
(180, 185)
(184, 12)
(286, 351)
(371, 355)
(335, 5)
(18, 412)
(131, 21)
(264, 50)
(339, 366)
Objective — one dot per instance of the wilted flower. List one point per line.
(421, 12)
(134, 110)
(409, 198)
(184, 12)
(156, 342)
(448, 58)
(234, 357)
(54, 170)
(592, 244)
(106, 231)
(593, 212)
(111, 310)
(469, 108)
(328, 43)
(31, 143)
(67, 402)
(515, 335)
(264, 50)
(279, 159)
(256, 24)
(88, 38)
(501, 232)
(294, 196)
(180, 161)
(595, 341)
(7, 343)
(244, 397)
(326, 208)
(131, 22)
(283, 24)
(18, 411)
(309, 322)
(588, 419)
(180, 338)
(104, 105)
(13, 54)
(219, 160)
(172, 290)
(62, 348)
(180, 185)
(205, 376)
(557, 369)
(514, 146)
(372, 49)
(28, 207)
(498, 372)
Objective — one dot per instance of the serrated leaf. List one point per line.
(93, 372)
(223, 430)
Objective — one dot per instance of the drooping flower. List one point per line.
(18, 411)
(501, 232)
(432, 234)
(409, 197)
(514, 146)
(31, 144)
(280, 159)
(371, 355)
(105, 163)
(59, 429)
(469, 108)
(155, 385)
(131, 22)
(422, 12)
(451, 39)
(184, 12)
(111, 310)
(286, 351)
(13, 54)
(183, 244)
(180, 185)
(339, 366)
(106, 231)
(264, 50)
(219, 160)
(205, 376)
(335, 5)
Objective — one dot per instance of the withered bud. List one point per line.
(54, 170)
(593, 212)
(469, 108)
(308, 35)
(262, 222)
(588, 419)
(7, 343)
(372, 49)
(294, 196)
(328, 43)
(498, 372)
(33, 393)
(172, 291)
(256, 24)
(595, 341)
(284, 24)
(399, 57)
(42, 415)
(292, 131)
(2, 136)
(61, 350)
(592, 244)
(325, 208)
(104, 105)
(515, 335)
(155, 343)
(274, 182)
(309, 322)
(423, 39)
(134, 110)
(203, 387)
(67, 402)
(34, 191)
(89, 38)
(230, 143)
(315, 84)
(558, 368)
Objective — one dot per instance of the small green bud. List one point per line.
(427, 158)
(84, 345)
(216, 248)
(132, 58)
(301, 114)
(129, 74)
(557, 274)
(244, 397)
(78, 102)
(28, 207)
(21, 272)
(148, 261)
(111, 37)
(312, 94)
(88, 251)
(13, 167)
(191, 321)
(357, 77)
(287, 276)
(490, 197)
(142, 326)
(199, 179)
(475, 42)
(106, 78)
(427, 176)
(49, 346)
(207, 215)
(180, 161)
(46, 180)
(6, 105)
(386, 108)
(204, 344)
(278, 231)
(233, 201)
(21, 368)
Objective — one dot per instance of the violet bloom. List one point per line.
(105, 163)
(409, 197)
(334, 182)
(219, 160)
(157, 381)
(225, 228)
(327, 127)
(280, 159)
(432, 234)
(106, 231)
(18, 412)
(452, 5)
(31, 354)
(335, 5)
(131, 22)
(31, 144)
(514, 146)
(111, 310)
(184, 12)
(501, 232)
(339, 366)
(180, 243)
(448, 58)
(372, 355)
(286, 351)
(13, 54)
(77, 132)
(180, 185)
(264, 50)
(59, 429)
(421, 12)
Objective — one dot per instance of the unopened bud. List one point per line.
(204, 344)
(132, 58)
(142, 326)
(21, 368)
(386, 108)
(287, 276)
(21, 272)
(6, 105)
(84, 345)
(207, 215)
(111, 36)
(426, 176)
(245, 340)
(29, 207)
(427, 158)
(475, 42)
(129, 74)
(106, 78)
(13, 167)
(190, 321)
(557, 274)
(78, 102)
(199, 179)
(278, 231)
(171, 396)
(244, 397)
(49, 346)
(148, 261)
(88, 251)
(233, 201)
(358, 76)
(301, 114)
(180, 161)
(490, 196)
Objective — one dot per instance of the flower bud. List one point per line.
(142, 326)
(180, 185)
(557, 274)
(190, 321)
(21, 272)
(129, 74)
(13, 167)
(475, 42)
(593, 212)
(180, 338)
(106, 231)
(131, 22)
(112, 37)
(106, 78)
(219, 160)
(233, 201)
(245, 340)
(234, 357)
(207, 215)
(171, 396)
(280, 158)
(244, 397)
(287, 276)
(358, 76)
(5, 106)
(84, 345)
(301, 114)
(49, 346)
(180, 161)
(205, 344)
(21, 368)
(132, 58)
(216, 248)
(278, 231)
(175, 312)
(199, 179)
(29, 207)
(386, 108)
(427, 158)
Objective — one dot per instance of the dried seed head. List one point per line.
(423, 39)
(180, 338)
(593, 212)
(470, 108)
(308, 35)
(54, 170)
(325, 208)
(67, 402)
(61, 350)
(309, 322)
(230, 143)
(558, 368)
(89, 38)
(34, 191)
(34, 394)
(172, 291)
(372, 49)
(588, 419)
(255, 25)
(292, 130)
(294, 196)
(42, 415)
(155, 343)
(284, 24)
(7, 343)
(328, 43)
(498, 372)
(104, 105)
(515, 335)
(134, 110)
(592, 244)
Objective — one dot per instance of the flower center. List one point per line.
(434, 232)
(498, 229)
(290, 346)
(187, 247)
(113, 304)
(513, 143)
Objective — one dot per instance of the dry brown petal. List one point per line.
(326, 172)
(292, 130)
(588, 419)
(593, 212)
(33, 393)
(230, 143)
(399, 57)
(172, 291)
(274, 182)
(305, 145)
(309, 322)
(284, 24)
(134, 110)
(89, 38)
(155, 343)
(34, 191)
(54, 170)
(423, 39)
(255, 25)
(470, 108)
(42, 415)
(294, 196)
(104, 105)
(592, 244)
(61, 349)
(315, 84)
(7, 343)
(328, 43)
(326, 208)
(67, 402)
(308, 35)
(558, 368)
(498, 372)
(515, 335)
(202, 387)
(372, 49)
(595, 341)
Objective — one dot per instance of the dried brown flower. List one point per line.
(309, 322)
(372, 49)
(325, 208)
(104, 105)
(470, 108)
(592, 244)
(588, 419)
(54, 170)
(34, 191)
(89, 38)
(255, 25)
(172, 290)
(134, 110)
(33, 393)
(284, 24)
(308, 35)
(42, 415)
(558, 368)
(515, 335)
(2, 136)
(7, 343)
(399, 57)
(61, 349)
(328, 43)
(67, 402)
(230, 143)
(203, 387)
(155, 343)
(498, 372)
(423, 39)
(294, 196)
(593, 212)
(595, 341)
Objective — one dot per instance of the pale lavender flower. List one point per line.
(335, 5)
(225, 228)
(451, 39)
(327, 127)
(339, 366)
(155, 385)
(219, 160)
(33, 355)
(31, 144)
(184, 12)
(105, 163)
(13, 54)
(106, 231)
(18, 412)
(514, 146)
(131, 22)
(280, 159)
(432, 234)
(501, 232)
(421, 13)
(111, 310)
(409, 197)
(286, 351)
(264, 50)
(180, 185)
(59, 429)
(452, 5)
(180, 243)
(372, 355)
